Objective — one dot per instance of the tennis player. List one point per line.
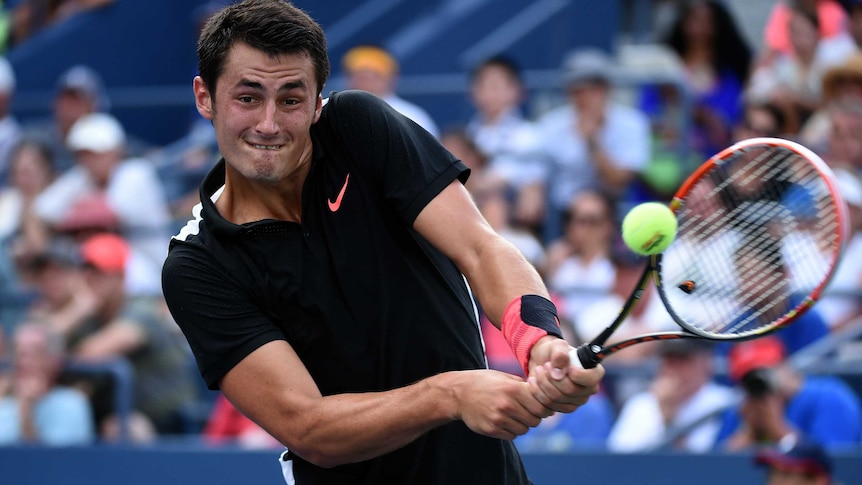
(322, 283)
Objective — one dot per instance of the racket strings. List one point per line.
(757, 235)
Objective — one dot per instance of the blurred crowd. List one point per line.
(87, 211)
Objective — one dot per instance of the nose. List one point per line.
(268, 124)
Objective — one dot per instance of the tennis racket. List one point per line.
(762, 227)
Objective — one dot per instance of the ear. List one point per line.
(203, 100)
(318, 108)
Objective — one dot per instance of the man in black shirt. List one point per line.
(322, 283)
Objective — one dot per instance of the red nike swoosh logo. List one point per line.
(335, 204)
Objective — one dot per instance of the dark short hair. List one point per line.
(508, 65)
(275, 27)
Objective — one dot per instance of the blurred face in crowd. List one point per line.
(589, 98)
(55, 281)
(804, 35)
(30, 171)
(589, 226)
(99, 164)
(494, 91)
(262, 111)
(758, 121)
(69, 106)
(699, 24)
(688, 370)
(372, 81)
(34, 355)
(845, 139)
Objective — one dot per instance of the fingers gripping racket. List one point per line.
(761, 229)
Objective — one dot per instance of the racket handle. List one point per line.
(585, 357)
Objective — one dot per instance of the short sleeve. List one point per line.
(221, 323)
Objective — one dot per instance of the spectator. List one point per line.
(853, 10)
(39, 410)
(796, 462)
(115, 326)
(373, 69)
(760, 119)
(794, 81)
(682, 399)
(579, 267)
(10, 130)
(122, 192)
(508, 140)
(841, 84)
(716, 61)
(62, 296)
(79, 91)
(845, 144)
(781, 403)
(840, 304)
(777, 37)
(592, 141)
(31, 170)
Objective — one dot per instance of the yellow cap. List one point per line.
(370, 58)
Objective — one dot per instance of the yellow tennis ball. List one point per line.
(649, 228)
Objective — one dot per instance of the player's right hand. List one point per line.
(495, 404)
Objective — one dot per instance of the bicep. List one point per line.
(453, 224)
(272, 387)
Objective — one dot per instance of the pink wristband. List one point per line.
(527, 319)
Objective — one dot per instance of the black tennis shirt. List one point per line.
(364, 300)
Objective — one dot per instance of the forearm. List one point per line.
(349, 428)
(499, 273)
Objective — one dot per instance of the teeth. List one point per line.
(267, 147)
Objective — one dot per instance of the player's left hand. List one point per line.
(555, 381)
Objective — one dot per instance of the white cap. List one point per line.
(7, 76)
(96, 132)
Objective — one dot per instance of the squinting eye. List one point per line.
(291, 102)
(246, 99)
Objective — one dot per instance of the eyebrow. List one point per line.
(288, 86)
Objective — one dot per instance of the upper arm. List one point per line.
(453, 224)
(273, 388)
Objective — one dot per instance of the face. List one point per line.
(262, 112)
(29, 171)
(845, 139)
(698, 23)
(589, 98)
(803, 34)
(690, 370)
(590, 222)
(69, 106)
(32, 352)
(372, 81)
(494, 90)
(99, 164)
(757, 122)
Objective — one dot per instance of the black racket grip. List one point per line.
(587, 356)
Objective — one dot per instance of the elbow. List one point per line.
(318, 456)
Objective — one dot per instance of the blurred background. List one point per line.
(569, 112)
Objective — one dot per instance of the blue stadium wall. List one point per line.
(145, 50)
(183, 465)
